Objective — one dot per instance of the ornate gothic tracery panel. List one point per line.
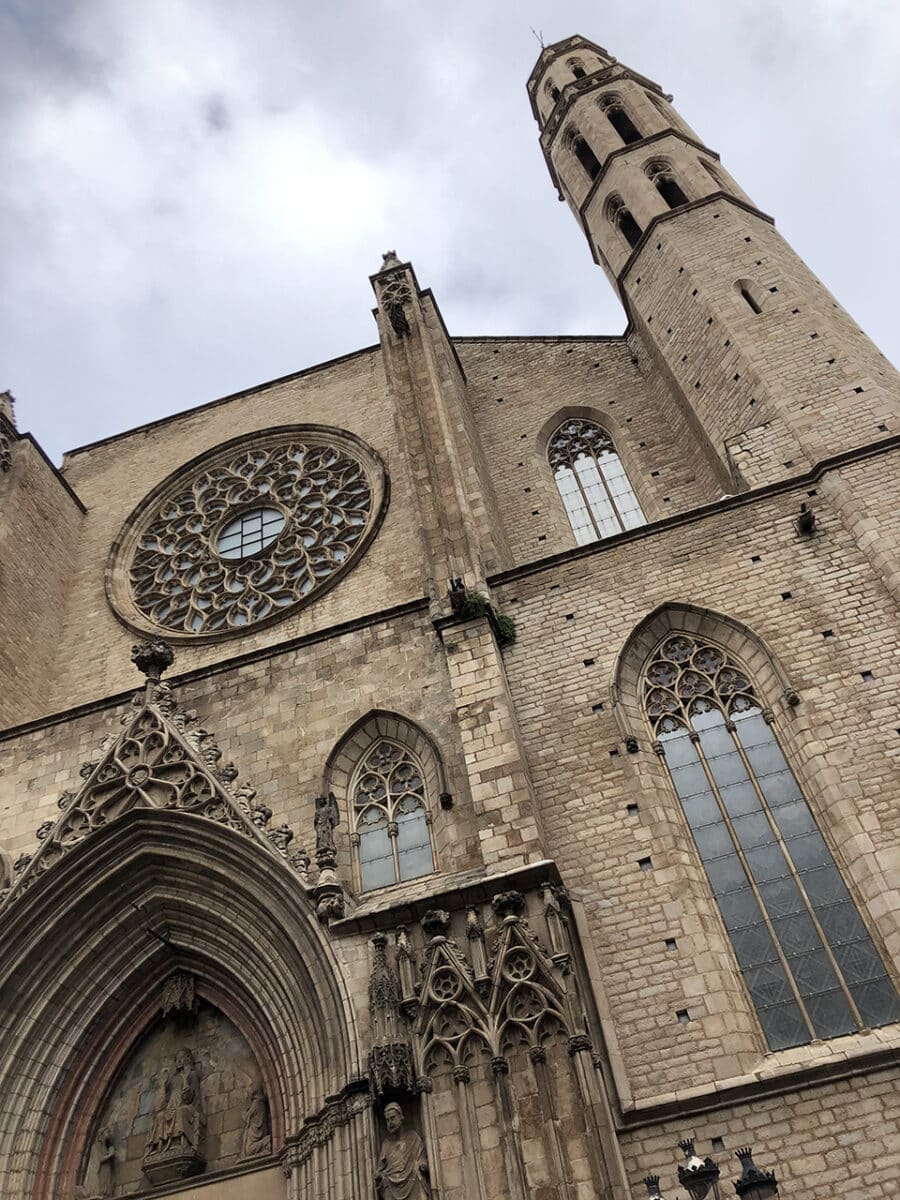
(807, 959)
(598, 498)
(248, 533)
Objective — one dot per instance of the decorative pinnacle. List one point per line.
(152, 658)
(389, 259)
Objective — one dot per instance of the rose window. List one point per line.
(247, 534)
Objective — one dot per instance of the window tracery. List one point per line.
(248, 535)
(391, 818)
(592, 482)
(807, 959)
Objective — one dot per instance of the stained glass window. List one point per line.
(392, 822)
(805, 954)
(598, 498)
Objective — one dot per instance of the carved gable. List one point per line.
(161, 760)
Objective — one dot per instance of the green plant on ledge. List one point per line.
(468, 604)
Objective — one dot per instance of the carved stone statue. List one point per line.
(174, 1143)
(106, 1164)
(402, 1169)
(326, 818)
(257, 1135)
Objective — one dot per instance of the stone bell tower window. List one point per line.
(392, 822)
(582, 151)
(598, 498)
(805, 954)
(659, 172)
(617, 214)
(620, 120)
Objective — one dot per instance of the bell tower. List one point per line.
(750, 342)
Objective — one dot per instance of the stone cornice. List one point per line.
(674, 213)
(753, 1088)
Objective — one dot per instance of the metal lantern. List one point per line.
(699, 1175)
(653, 1192)
(753, 1183)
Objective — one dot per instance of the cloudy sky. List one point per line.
(194, 192)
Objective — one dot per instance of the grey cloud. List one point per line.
(196, 192)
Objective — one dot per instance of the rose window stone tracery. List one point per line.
(250, 533)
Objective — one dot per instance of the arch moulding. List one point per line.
(154, 893)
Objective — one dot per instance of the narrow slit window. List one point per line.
(806, 957)
(392, 824)
(595, 490)
(746, 289)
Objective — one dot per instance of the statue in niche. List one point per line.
(402, 1169)
(105, 1171)
(257, 1133)
(106, 1165)
(325, 819)
(173, 1146)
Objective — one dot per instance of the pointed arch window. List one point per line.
(805, 954)
(619, 119)
(595, 490)
(392, 821)
(660, 173)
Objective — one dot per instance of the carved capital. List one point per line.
(537, 1054)
(578, 1043)
(461, 1074)
(499, 1065)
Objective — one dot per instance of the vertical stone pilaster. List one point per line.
(458, 527)
(506, 811)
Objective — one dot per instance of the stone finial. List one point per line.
(389, 259)
(8, 407)
(152, 658)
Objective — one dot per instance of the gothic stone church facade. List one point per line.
(522, 799)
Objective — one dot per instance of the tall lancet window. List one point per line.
(592, 482)
(392, 822)
(807, 959)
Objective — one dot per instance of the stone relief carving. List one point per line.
(257, 1135)
(248, 535)
(174, 1144)
(401, 1172)
(163, 759)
